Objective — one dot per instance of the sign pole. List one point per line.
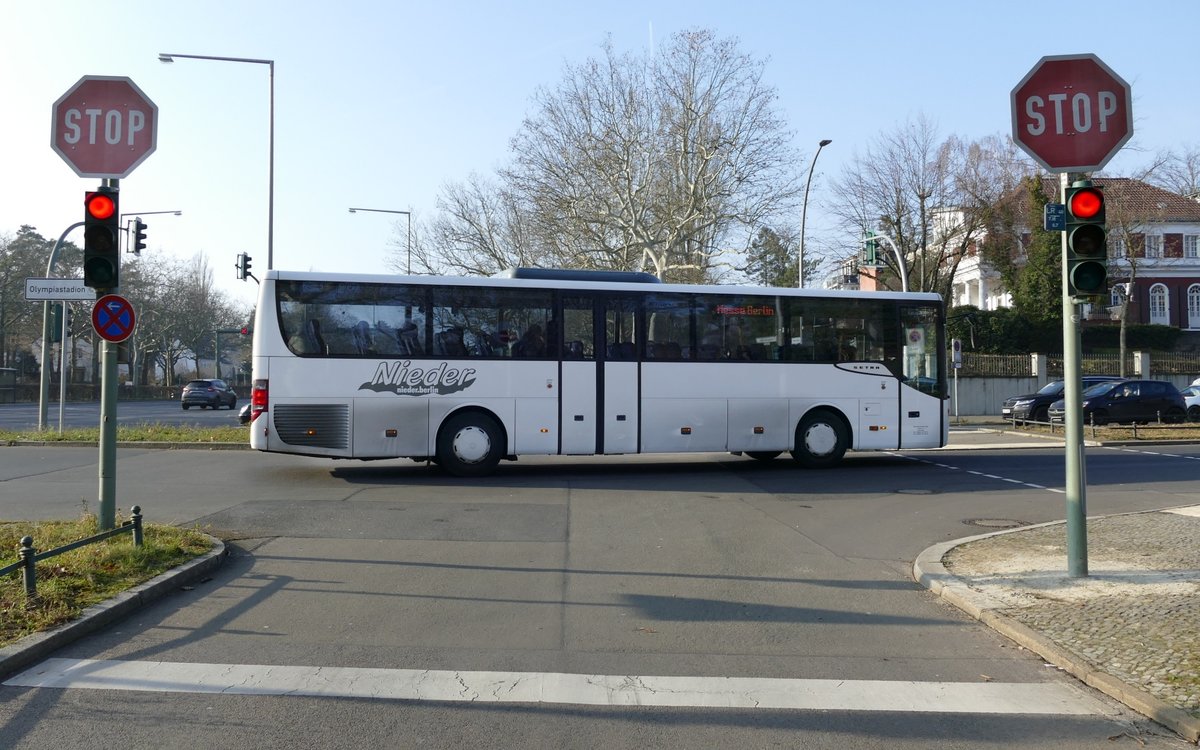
(1076, 486)
(1072, 113)
(107, 513)
(62, 368)
(44, 380)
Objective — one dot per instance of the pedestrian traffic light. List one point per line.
(101, 249)
(56, 311)
(137, 237)
(243, 266)
(1087, 243)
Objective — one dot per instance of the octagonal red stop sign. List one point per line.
(104, 126)
(1072, 113)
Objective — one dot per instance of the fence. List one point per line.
(30, 556)
(1144, 364)
(982, 384)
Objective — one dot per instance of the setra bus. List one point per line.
(466, 372)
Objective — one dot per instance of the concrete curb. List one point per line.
(38, 646)
(929, 571)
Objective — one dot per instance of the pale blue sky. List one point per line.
(378, 104)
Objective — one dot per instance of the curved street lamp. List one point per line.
(407, 215)
(169, 57)
(804, 210)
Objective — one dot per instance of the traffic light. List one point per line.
(1087, 243)
(101, 248)
(243, 266)
(870, 250)
(137, 237)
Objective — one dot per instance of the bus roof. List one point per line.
(585, 282)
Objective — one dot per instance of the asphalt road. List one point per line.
(708, 567)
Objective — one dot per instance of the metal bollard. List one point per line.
(28, 572)
(136, 512)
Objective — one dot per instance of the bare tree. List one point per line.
(931, 197)
(1177, 171)
(663, 163)
(480, 229)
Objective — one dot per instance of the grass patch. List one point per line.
(136, 433)
(69, 583)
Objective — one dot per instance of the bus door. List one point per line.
(580, 426)
(619, 389)
(923, 407)
(598, 410)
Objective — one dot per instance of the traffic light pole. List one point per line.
(1076, 480)
(107, 513)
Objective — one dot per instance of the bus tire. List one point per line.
(821, 440)
(470, 444)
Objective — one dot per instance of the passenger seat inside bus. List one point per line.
(449, 343)
(362, 339)
(311, 341)
(410, 340)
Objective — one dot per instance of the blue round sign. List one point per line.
(113, 318)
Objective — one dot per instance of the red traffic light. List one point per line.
(100, 205)
(1086, 204)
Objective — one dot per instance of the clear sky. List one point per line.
(378, 104)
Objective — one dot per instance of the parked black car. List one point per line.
(1033, 407)
(208, 393)
(1128, 401)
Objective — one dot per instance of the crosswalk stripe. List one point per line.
(558, 688)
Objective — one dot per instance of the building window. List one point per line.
(1159, 308)
(1154, 246)
(1191, 245)
(1118, 247)
(1193, 301)
(1117, 294)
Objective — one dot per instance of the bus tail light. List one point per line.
(258, 399)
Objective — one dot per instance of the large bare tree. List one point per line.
(662, 162)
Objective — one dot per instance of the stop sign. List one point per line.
(1072, 113)
(104, 126)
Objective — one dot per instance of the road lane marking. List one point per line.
(558, 688)
(985, 475)
(1123, 449)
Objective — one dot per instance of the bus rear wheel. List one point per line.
(470, 444)
(821, 440)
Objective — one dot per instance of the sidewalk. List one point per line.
(1130, 629)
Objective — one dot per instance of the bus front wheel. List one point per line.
(470, 444)
(821, 440)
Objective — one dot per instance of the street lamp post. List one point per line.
(804, 209)
(407, 215)
(169, 57)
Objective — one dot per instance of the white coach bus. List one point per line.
(465, 372)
